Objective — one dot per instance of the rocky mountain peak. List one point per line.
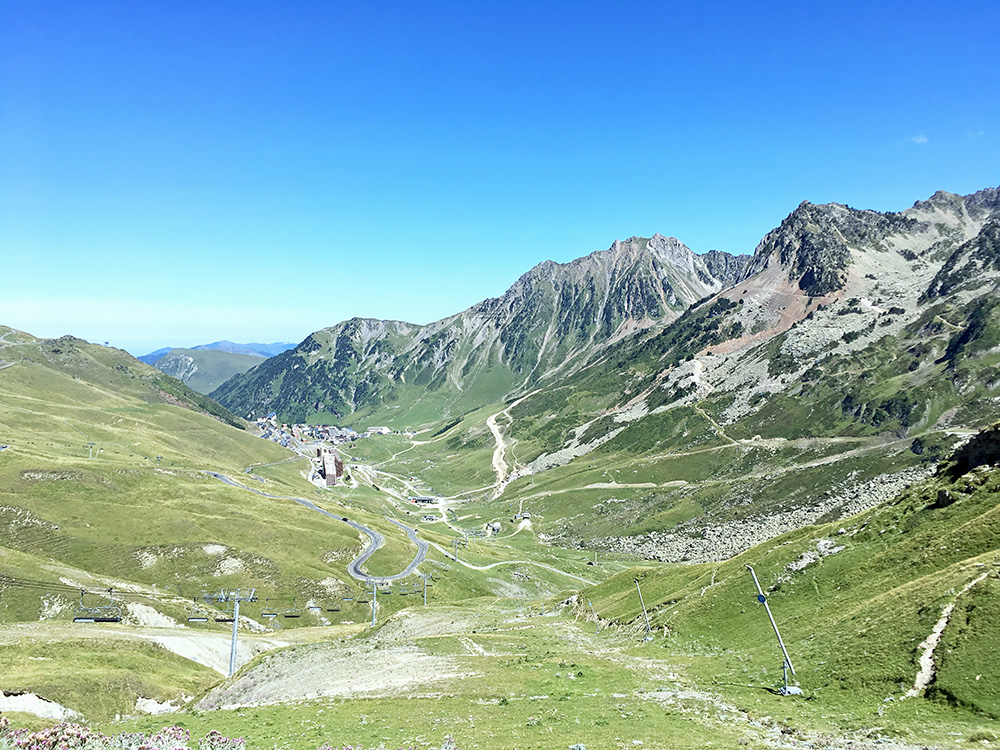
(978, 206)
(983, 203)
(552, 320)
(813, 244)
(672, 250)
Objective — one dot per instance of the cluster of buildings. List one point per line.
(284, 434)
(275, 434)
(329, 433)
(280, 432)
(303, 438)
(329, 464)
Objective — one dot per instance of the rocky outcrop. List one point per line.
(813, 244)
(705, 540)
(983, 449)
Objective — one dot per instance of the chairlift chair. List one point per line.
(103, 614)
(293, 613)
(268, 611)
(195, 615)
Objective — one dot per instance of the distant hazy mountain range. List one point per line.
(252, 349)
(207, 366)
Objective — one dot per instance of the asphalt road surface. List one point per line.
(377, 540)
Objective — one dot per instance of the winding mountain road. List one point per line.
(376, 539)
(4, 343)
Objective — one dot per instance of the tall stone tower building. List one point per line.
(331, 465)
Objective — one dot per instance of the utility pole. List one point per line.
(595, 616)
(649, 635)
(91, 446)
(786, 665)
(374, 601)
(425, 576)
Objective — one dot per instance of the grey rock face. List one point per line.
(814, 244)
(549, 323)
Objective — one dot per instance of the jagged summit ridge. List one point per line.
(815, 245)
(558, 317)
(814, 242)
(976, 206)
(552, 320)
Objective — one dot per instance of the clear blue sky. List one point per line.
(176, 173)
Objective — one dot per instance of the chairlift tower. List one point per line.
(596, 619)
(236, 596)
(374, 599)
(786, 665)
(649, 632)
(426, 577)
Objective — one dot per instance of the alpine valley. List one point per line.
(683, 407)
(643, 421)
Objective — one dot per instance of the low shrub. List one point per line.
(68, 736)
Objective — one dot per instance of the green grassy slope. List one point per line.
(99, 678)
(103, 484)
(140, 515)
(854, 600)
(142, 508)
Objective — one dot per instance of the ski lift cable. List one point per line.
(58, 587)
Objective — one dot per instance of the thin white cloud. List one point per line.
(919, 138)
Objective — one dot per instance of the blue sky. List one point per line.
(177, 173)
